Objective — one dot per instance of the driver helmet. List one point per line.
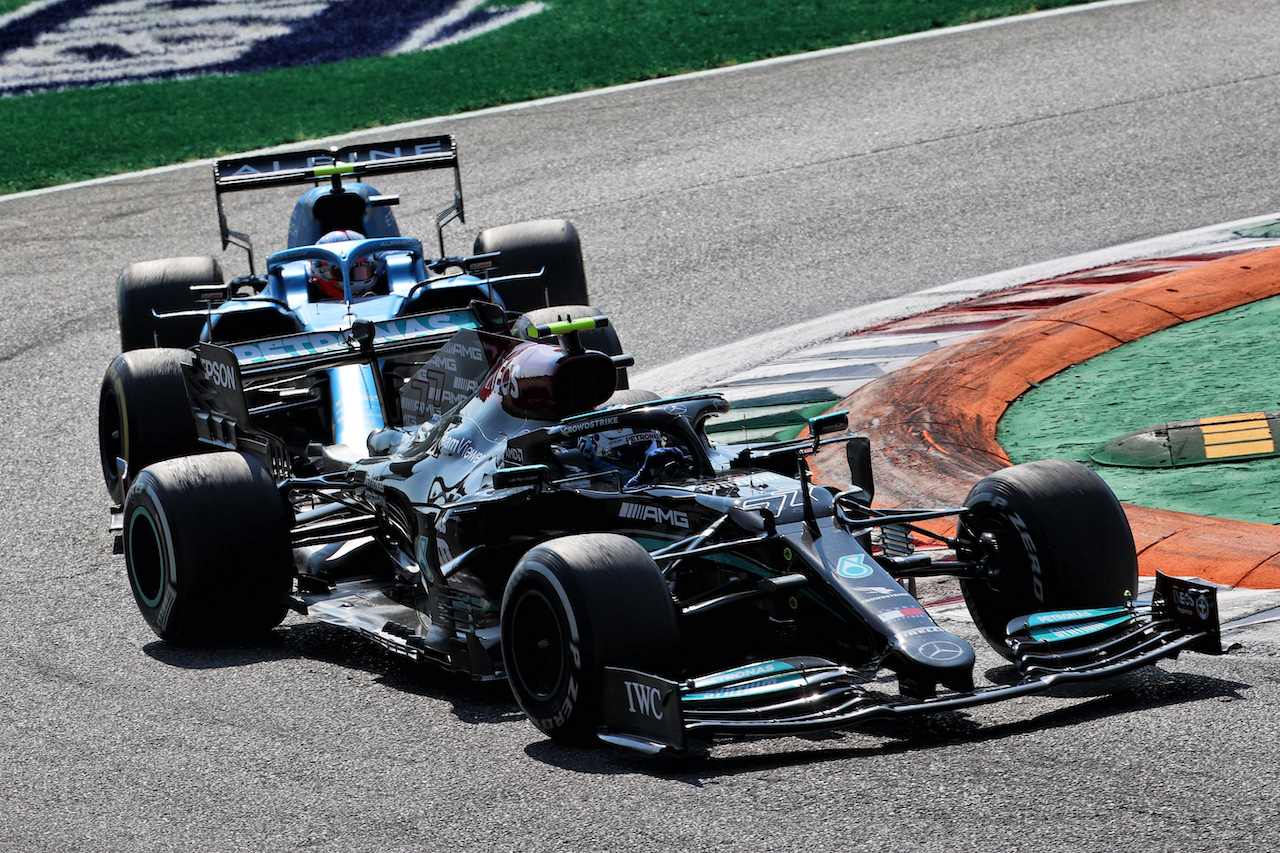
(327, 277)
(624, 448)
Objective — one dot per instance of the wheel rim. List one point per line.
(146, 558)
(538, 648)
(1008, 541)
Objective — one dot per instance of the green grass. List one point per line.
(1218, 365)
(58, 137)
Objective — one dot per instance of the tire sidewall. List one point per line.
(195, 580)
(1064, 542)
(155, 589)
(143, 399)
(612, 608)
(561, 708)
(113, 417)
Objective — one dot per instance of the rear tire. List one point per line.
(163, 286)
(207, 548)
(527, 247)
(1062, 542)
(143, 414)
(603, 340)
(572, 607)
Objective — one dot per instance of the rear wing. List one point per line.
(354, 161)
(218, 377)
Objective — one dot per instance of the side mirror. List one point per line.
(826, 425)
(481, 265)
(858, 453)
(829, 423)
(362, 333)
(491, 316)
(523, 475)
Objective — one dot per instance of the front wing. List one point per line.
(797, 695)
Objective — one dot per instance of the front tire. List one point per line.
(207, 549)
(143, 415)
(551, 245)
(163, 286)
(572, 607)
(1061, 541)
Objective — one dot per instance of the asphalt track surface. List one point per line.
(711, 208)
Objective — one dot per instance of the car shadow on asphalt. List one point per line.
(472, 701)
(479, 703)
(1132, 693)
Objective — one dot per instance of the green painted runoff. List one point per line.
(1224, 364)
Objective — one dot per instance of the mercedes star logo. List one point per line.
(941, 650)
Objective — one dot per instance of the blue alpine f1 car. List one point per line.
(634, 580)
(345, 260)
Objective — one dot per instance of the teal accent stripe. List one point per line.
(1069, 632)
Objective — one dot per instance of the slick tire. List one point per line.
(1062, 541)
(551, 245)
(207, 549)
(163, 286)
(601, 340)
(572, 607)
(143, 415)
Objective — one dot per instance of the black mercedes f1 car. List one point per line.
(633, 580)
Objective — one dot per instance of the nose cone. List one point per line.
(934, 656)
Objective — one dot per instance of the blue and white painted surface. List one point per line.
(776, 380)
(772, 402)
(55, 44)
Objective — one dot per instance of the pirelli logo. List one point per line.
(655, 514)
